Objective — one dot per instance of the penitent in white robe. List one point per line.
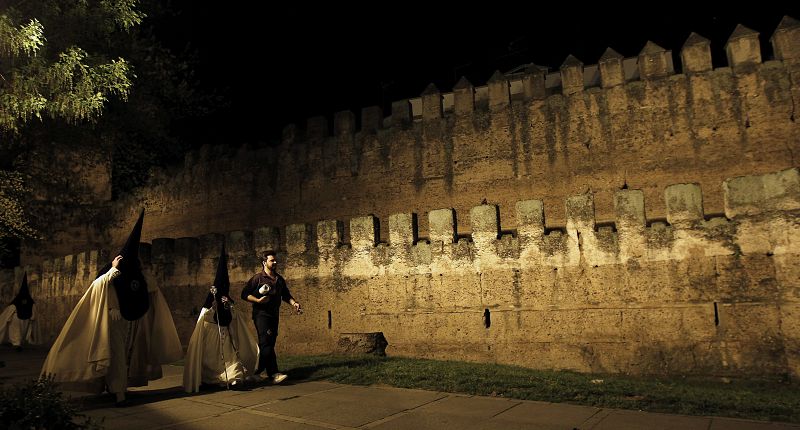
(86, 355)
(204, 363)
(17, 331)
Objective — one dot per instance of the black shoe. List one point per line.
(122, 403)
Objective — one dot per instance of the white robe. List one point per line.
(17, 331)
(203, 362)
(81, 357)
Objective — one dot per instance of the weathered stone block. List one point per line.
(684, 203)
(329, 234)
(362, 343)
(749, 195)
(97, 259)
(530, 218)
(571, 76)
(485, 220)
(239, 243)
(580, 213)
(499, 92)
(163, 250)
(298, 238)
(743, 49)
(629, 207)
(364, 232)
(533, 83)
(654, 62)
(612, 73)
(82, 264)
(69, 266)
(463, 97)
(431, 103)
(265, 239)
(401, 112)
(442, 225)
(344, 123)
(746, 278)
(696, 54)
(786, 40)
(187, 252)
(402, 229)
(210, 244)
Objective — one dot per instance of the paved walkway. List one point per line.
(302, 405)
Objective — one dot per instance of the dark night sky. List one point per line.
(283, 64)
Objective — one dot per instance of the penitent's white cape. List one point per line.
(17, 331)
(81, 355)
(203, 362)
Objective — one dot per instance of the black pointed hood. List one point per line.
(130, 251)
(130, 284)
(223, 285)
(23, 301)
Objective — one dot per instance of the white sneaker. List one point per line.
(278, 378)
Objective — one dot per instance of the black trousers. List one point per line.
(267, 328)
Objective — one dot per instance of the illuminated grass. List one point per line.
(757, 400)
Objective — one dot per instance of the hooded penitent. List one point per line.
(223, 286)
(24, 302)
(130, 285)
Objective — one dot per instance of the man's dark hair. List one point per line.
(267, 253)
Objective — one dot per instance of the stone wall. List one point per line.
(597, 128)
(573, 233)
(689, 294)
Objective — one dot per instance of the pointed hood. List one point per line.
(130, 284)
(23, 301)
(223, 286)
(130, 251)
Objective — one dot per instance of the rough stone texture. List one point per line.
(363, 232)
(711, 296)
(570, 229)
(684, 203)
(402, 229)
(708, 127)
(329, 235)
(362, 343)
(298, 238)
(753, 194)
(442, 225)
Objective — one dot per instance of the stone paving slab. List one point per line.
(629, 420)
(732, 423)
(471, 406)
(352, 406)
(454, 411)
(244, 420)
(547, 414)
(261, 396)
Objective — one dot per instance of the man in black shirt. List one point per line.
(265, 290)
